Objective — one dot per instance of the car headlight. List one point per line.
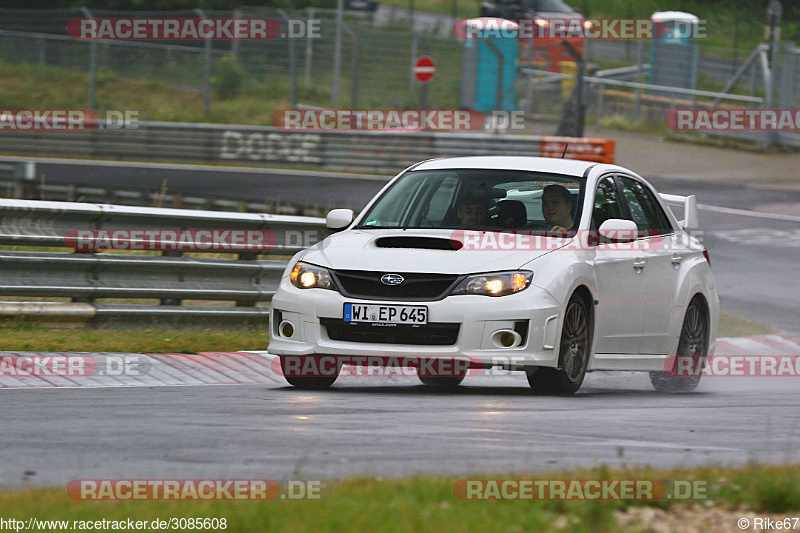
(305, 276)
(495, 283)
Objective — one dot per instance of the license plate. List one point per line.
(386, 314)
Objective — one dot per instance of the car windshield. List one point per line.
(478, 199)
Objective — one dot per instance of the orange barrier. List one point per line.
(547, 53)
(583, 148)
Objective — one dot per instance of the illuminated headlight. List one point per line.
(495, 283)
(305, 276)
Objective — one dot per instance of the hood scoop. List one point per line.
(420, 243)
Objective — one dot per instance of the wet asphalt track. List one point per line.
(369, 426)
(491, 424)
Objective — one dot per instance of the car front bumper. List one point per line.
(478, 317)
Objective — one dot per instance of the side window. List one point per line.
(607, 203)
(644, 208)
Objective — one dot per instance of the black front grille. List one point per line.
(415, 286)
(433, 334)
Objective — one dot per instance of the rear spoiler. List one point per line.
(689, 203)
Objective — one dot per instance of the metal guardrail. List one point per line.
(254, 145)
(30, 189)
(172, 277)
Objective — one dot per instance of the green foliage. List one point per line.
(763, 489)
(228, 77)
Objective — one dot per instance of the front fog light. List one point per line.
(495, 284)
(287, 329)
(305, 276)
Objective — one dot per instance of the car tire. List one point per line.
(574, 351)
(442, 382)
(693, 342)
(308, 382)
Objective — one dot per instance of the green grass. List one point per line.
(27, 336)
(29, 86)
(427, 503)
(737, 326)
(618, 122)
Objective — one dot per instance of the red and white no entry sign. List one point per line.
(424, 69)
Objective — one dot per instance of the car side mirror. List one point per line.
(338, 219)
(619, 230)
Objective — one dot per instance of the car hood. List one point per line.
(364, 250)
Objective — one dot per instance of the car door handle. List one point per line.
(639, 262)
(677, 258)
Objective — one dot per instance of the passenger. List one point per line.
(557, 203)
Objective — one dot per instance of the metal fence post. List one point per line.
(337, 54)
(354, 66)
(237, 14)
(92, 64)
(413, 60)
(309, 49)
(292, 65)
(639, 60)
(671, 107)
(774, 13)
(695, 66)
(600, 104)
(788, 66)
(206, 70)
(423, 96)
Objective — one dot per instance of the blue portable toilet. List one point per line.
(484, 58)
(673, 50)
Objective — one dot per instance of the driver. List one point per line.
(557, 208)
(473, 211)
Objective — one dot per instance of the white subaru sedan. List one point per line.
(549, 266)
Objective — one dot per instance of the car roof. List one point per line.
(571, 167)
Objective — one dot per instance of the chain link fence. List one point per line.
(374, 70)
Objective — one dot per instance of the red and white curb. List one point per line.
(20, 370)
(53, 369)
